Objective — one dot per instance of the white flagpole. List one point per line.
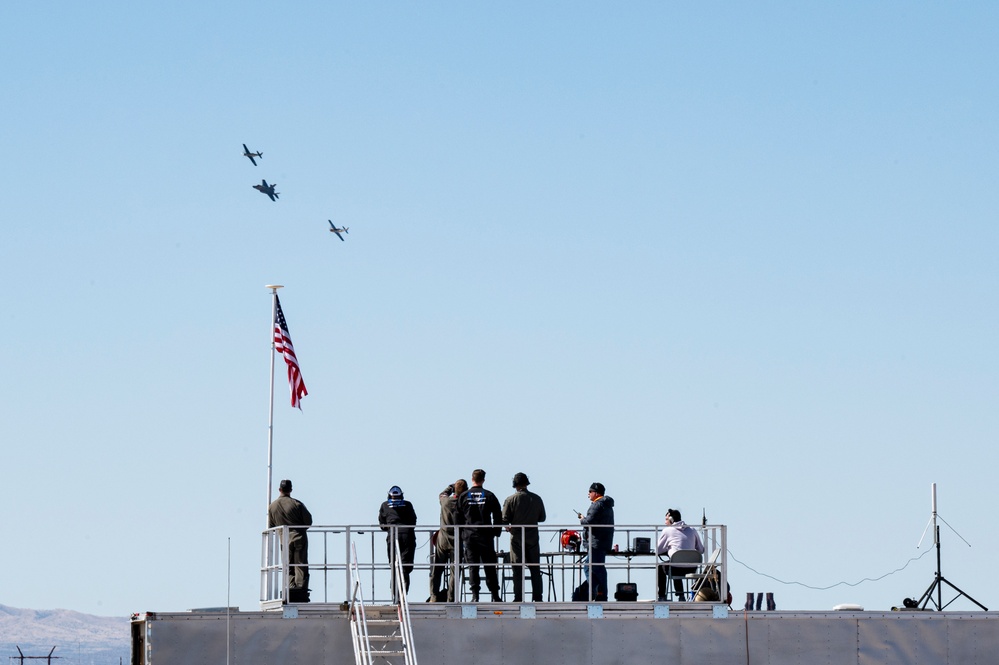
(270, 417)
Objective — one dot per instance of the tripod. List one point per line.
(939, 580)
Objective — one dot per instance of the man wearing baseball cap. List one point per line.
(600, 539)
(286, 511)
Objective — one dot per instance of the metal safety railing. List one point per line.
(387, 637)
(561, 556)
(358, 616)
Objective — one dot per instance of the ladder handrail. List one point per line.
(359, 620)
(363, 653)
(405, 621)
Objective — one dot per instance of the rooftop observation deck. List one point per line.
(563, 567)
(555, 631)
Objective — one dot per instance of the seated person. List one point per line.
(676, 535)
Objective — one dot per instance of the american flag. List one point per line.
(283, 345)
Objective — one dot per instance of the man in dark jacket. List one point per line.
(480, 509)
(396, 514)
(444, 544)
(521, 509)
(600, 539)
(286, 511)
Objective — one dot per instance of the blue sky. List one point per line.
(730, 257)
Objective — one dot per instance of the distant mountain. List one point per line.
(80, 639)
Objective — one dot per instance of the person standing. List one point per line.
(521, 510)
(676, 535)
(480, 509)
(600, 539)
(286, 511)
(444, 545)
(395, 515)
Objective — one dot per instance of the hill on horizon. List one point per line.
(79, 639)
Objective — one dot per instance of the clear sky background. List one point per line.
(731, 257)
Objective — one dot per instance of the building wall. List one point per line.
(773, 638)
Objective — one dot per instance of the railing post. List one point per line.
(285, 567)
(348, 548)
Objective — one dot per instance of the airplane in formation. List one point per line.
(333, 229)
(250, 155)
(264, 188)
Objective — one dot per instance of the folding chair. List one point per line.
(697, 578)
(685, 559)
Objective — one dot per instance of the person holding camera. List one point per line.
(444, 544)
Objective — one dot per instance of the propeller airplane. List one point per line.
(250, 155)
(339, 232)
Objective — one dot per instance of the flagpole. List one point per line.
(270, 416)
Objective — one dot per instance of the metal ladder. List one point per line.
(382, 634)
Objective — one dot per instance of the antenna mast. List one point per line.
(939, 580)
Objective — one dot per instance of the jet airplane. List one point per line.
(251, 155)
(333, 229)
(264, 188)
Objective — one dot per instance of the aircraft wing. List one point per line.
(247, 153)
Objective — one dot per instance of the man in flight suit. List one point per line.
(444, 546)
(291, 512)
(521, 509)
(479, 508)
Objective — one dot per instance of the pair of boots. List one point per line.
(771, 605)
(296, 595)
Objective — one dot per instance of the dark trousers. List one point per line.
(664, 572)
(532, 558)
(598, 584)
(407, 546)
(479, 552)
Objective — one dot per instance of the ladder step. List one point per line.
(387, 644)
